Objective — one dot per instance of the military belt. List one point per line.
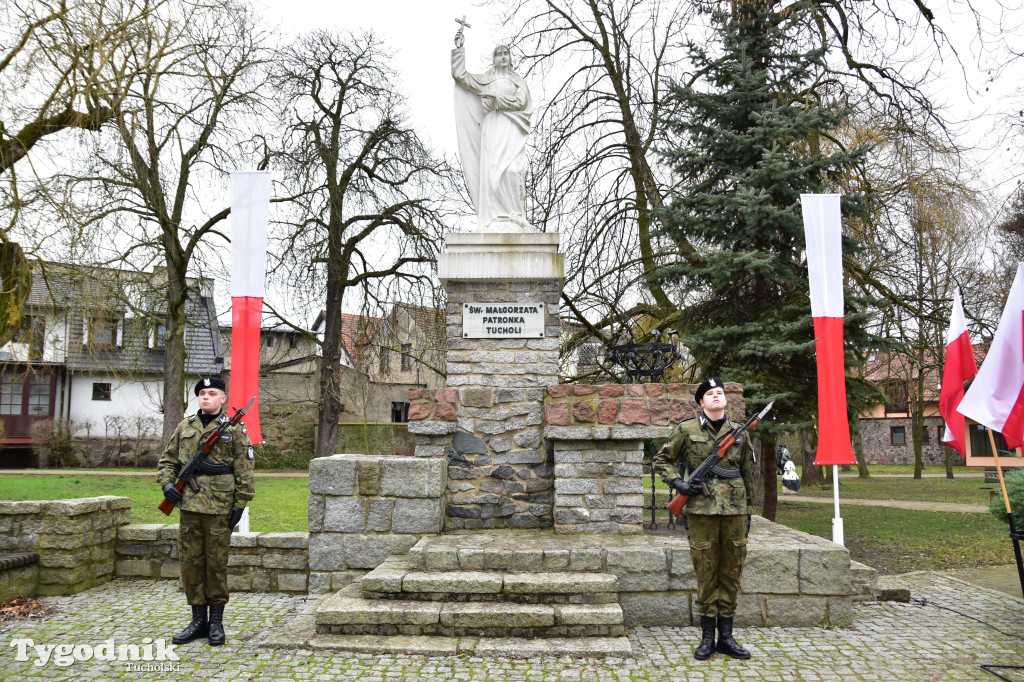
(206, 469)
(724, 472)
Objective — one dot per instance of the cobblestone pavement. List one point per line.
(888, 641)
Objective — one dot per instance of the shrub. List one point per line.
(52, 443)
(1015, 491)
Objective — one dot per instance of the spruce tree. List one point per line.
(744, 144)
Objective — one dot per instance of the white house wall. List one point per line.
(133, 401)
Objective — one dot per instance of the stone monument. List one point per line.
(520, 514)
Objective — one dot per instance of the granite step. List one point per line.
(863, 579)
(348, 613)
(395, 580)
(580, 647)
(429, 555)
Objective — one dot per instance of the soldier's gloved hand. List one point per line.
(234, 516)
(685, 488)
(171, 494)
(748, 525)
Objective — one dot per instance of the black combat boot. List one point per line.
(199, 627)
(216, 637)
(707, 639)
(726, 644)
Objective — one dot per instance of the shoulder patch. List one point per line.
(251, 453)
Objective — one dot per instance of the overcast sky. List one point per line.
(420, 35)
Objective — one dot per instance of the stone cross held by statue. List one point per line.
(463, 23)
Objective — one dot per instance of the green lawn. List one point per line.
(964, 490)
(898, 540)
(280, 504)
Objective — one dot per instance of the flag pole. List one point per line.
(1009, 513)
(837, 521)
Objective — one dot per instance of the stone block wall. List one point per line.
(364, 508)
(499, 470)
(599, 486)
(259, 562)
(75, 539)
(630, 404)
(878, 448)
(503, 363)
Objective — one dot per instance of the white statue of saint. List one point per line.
(492, 119)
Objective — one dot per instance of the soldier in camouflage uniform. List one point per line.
(718, 523)
(226, 484)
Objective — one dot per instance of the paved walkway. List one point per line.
(916, 505)
(888, 641)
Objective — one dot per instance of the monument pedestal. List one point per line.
(503, 328)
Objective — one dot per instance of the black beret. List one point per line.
(210, 382)
(709, 383)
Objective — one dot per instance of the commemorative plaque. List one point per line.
(502, 320)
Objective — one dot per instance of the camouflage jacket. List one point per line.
(217, 494)
(691, 443)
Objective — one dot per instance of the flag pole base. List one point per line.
(837, 531)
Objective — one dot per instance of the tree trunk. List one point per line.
(917, 424)
(810, 475)
(174, 351)
(769, 476)
(858, 449)
(330, 368)
(949, 460)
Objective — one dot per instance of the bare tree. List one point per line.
(52, 54)
(368, 205)
(177, 98)
(595, 177)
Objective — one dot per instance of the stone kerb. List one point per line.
(75, 539)
(364, 508)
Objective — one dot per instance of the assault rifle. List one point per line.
(186, 475)
(697, 475)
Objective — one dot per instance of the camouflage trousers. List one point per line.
(718, 548)
(203, 544)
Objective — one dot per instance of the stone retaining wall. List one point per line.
(75, 539)
(259, 562)
(364, 508)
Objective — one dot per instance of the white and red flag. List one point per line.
(958, 368)
(823, 229)
(996, 397)
(250, 212)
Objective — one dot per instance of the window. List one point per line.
(100, 391)
(899, 396)
(11, 387)
(270, 341)
(980, 446)
(924, 434)
(898, 435)
(102, 332)
(399, 412)
(33, 334)
(160, 336)
(406, 357)
(385, 361)
(39, 395)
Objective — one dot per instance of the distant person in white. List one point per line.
(492, 119)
